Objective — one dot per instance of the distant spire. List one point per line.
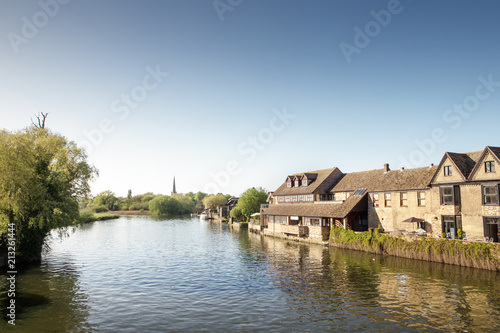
(173, 189)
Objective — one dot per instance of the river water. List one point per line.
(136, 274)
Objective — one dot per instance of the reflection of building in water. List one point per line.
(459, 198)
(320, 281)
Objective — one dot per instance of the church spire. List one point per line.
(173, 189)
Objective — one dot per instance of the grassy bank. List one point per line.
(87, 216)
(456, 252)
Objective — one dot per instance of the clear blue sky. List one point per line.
(244, 93)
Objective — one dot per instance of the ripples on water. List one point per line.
(139, 275)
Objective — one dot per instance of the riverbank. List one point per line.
(455, 252)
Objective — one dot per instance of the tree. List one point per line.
(164, 205)
(186, 203)
(129, 195)
(108, 200)
(42, 175)
(236, 212)
(214, 200)
(250, 201)
(199, 196)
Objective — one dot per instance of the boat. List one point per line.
(203, 216)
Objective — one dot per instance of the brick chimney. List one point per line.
(386, 167)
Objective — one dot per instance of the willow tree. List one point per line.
(42, 175)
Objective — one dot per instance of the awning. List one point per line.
(414, 219)
(255, 214)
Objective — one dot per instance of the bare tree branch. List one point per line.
(40, 119)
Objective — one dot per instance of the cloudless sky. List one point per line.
(247, 92)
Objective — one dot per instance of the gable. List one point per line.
(456, 175)
(484, 171)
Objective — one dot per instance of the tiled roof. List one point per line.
(465, 162)
(324, 181)
(379, 180)
(330, 209)
(495, 151)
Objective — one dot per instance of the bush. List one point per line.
(100, 209)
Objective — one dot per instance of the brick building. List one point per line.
(457, 198)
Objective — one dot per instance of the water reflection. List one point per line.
(355, 290)
(49, 299)
(137, 274)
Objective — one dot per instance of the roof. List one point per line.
(325, 179)
(495, 151)
(380, 180)
(465, 162)
(338, 210)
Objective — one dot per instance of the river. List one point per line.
(137, 274)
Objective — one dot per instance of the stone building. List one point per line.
(459, 198)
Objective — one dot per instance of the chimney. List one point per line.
(386, 167)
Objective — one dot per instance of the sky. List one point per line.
(227, 95)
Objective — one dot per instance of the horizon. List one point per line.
(225, 96)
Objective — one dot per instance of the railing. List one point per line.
(264, 206)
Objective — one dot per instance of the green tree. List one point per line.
(108, 200)
(42, 175)
(236, 212)
(214, 200)
(186, 203)
(164, 205)
(251, 200)
(199, 196)
(129, 195)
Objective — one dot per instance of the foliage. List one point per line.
(164, 205)
(214, 200)
(250, 201)
(42, 175)
(421, 247)
(186, 203)
(236, 212)
(107, 199)
(199, 196)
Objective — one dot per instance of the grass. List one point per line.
(87, 216)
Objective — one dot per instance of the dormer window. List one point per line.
(489, 166)
(304, 182)
(447, 170)
(289, 184)
(296, 183)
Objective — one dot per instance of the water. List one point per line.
(136, 274)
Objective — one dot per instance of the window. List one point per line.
(375, 199)
(489, 166)
(289, 183)
(450, 225)
(490, 194)
(404, 199)
(312, 221)
(387, 198)
(447, 170)
(421, 199)
(450, 195)
(304, 182)
(280, 219)
(491, 228)
(296, 183)
(271, 218)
